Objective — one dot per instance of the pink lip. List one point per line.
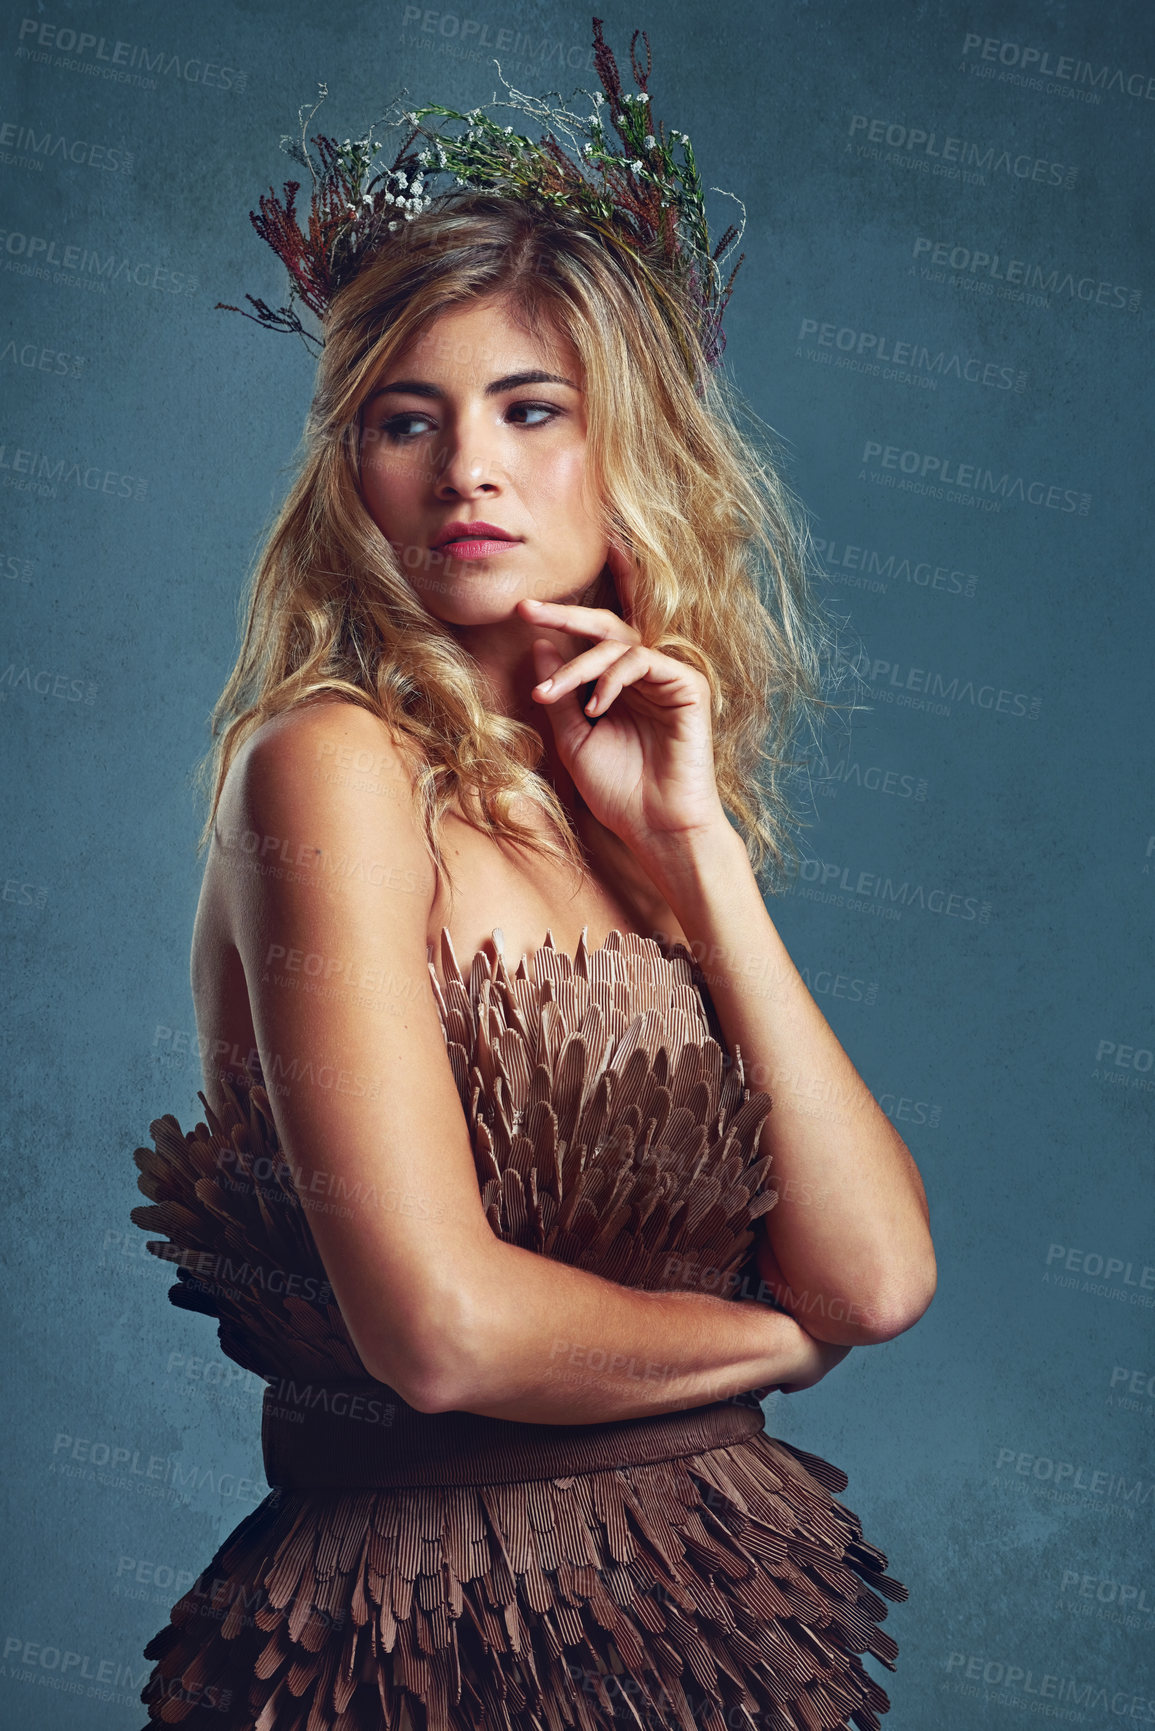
(476, 540)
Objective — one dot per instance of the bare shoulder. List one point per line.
(327, 790)
(331, 753)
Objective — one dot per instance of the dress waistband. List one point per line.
(362, 1435)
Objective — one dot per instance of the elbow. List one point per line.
(437, 1369)
(438, 1385)
(429, 1392)
(899, 1308)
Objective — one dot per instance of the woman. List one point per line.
(499, 688)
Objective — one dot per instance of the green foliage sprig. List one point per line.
(646, 194)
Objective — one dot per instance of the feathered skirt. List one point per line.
(712, 1584)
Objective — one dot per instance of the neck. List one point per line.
(503, 653)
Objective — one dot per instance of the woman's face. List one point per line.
(478, 423)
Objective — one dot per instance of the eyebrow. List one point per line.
(511, 382)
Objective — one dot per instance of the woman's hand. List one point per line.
(641, 754)
(817, 1358)
(799, 1361)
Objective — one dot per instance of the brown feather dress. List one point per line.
(452, 1572)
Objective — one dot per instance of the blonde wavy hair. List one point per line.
(720, 546)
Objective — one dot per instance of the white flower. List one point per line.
(649, 141)
(393, 225)
(637, 166)
(643, 97)
(508, 131)
(599, 99)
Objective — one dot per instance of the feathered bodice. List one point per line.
(408, 1569)
(611, 1130)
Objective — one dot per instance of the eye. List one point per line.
(549, 410)
(396, 428)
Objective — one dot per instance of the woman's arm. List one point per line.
(847, 1249)
(329, 916)
(557, 1345)
(850, 1233)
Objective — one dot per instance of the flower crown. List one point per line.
(642, 196)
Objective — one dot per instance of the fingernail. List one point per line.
(544, 685)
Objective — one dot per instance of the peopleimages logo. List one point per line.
(881, 347)
(123, 62)
(42, 473)
(472, 34)
(1021, 1686)
(874, 892)
(931, 147)
(938, 691)
(55, 1665)
(1041, 62)
(941, 476)
(866, 568)
(875, 778)
(37, 357)
(27, 147)
(44, 683)
(54, 261)
(1018, 272)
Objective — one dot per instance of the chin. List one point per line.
(479, 597)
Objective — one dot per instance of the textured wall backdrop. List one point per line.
(945, 313)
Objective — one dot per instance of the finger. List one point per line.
(669, 683)
(579, 621)
(629, 667)
(548, 662)
(580, 671)
(570, 726)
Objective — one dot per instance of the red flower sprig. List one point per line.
(642, 195)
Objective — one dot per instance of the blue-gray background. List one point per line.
(976, 918)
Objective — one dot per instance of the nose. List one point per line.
(467, 459)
